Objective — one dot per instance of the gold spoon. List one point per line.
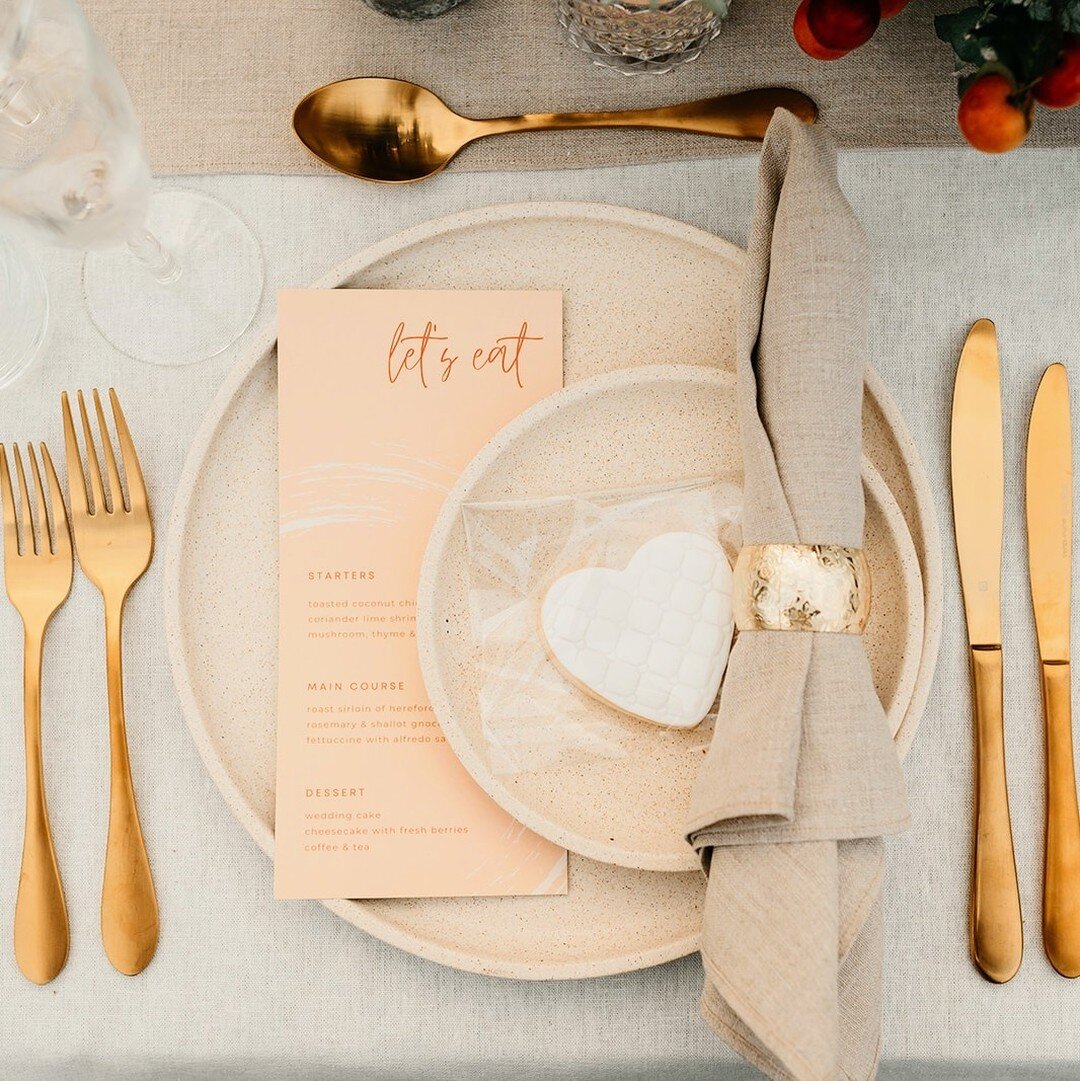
(396, 132)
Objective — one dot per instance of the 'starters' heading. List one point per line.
(430, 358)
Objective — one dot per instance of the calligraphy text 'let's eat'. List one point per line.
(430, 357)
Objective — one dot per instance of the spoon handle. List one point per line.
(734, 116)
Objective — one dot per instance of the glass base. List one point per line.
(639, 39)
(24, 311)
(205, 304)
(413, 9)
(633, 65)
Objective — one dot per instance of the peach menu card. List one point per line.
(384, 397)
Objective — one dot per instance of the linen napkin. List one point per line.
(802, 780)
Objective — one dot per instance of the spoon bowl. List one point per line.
(381, 129)
(395, 132)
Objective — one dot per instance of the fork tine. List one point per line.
(116, 489)
(42, 544)
(27, 506)
(7, 500)
(61, 532)
(75, 474)
(132, 470)
(93, 469)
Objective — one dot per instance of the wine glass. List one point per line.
(24, 311)
(24, 299)
(169, 277)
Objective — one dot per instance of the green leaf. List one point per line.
(957, 24)
(1040, 10)
(1070, 16)
(966, 33)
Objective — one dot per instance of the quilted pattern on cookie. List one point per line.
(653, 639)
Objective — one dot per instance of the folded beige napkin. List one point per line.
(802, 779)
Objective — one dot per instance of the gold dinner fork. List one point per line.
(37, 570)
(114, 538)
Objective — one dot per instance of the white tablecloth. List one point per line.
(246, 987)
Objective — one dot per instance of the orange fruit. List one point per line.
(843, 24)
(806, 40)
(1060, 86)
(991, 116)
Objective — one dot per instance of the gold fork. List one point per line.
(38, 568)
(115, 540)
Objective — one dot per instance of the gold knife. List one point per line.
(978, 492)
(1049, 526)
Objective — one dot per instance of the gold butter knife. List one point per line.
(978, 492)
(1049, 527)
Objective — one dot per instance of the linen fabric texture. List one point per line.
(215, 83)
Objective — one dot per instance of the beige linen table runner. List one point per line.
(215, 81)
(802, 779)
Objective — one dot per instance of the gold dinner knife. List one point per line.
(978, 491)
(1049, 527)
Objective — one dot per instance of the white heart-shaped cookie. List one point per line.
(651, 640)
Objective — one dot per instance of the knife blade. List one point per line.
(1049, 513)
(978, 493)
(978, 478)
(1049, 529)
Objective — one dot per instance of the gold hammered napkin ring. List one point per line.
(802, 587)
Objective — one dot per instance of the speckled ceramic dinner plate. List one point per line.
(638, 289)
(654, 425)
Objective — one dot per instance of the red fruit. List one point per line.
(806, 40)
(1060, 86)
(843, 24)
(991, 117)
(889, 8)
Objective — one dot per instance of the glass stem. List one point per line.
(159, 262)
(19, 103)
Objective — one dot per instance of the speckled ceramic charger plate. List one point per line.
(646, 426)
(220, 596)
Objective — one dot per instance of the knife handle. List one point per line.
(1061, 877)
(997, 933)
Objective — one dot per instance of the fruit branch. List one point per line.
(1010, 55)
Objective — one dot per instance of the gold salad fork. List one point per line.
(114, 538)
(38, 568)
